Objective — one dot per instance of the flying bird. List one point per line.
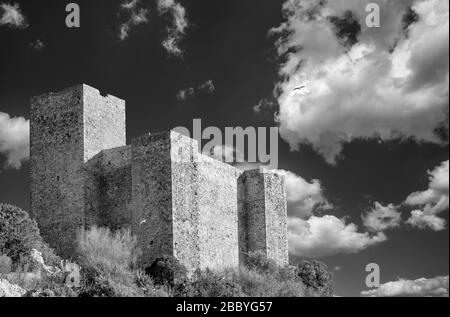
(299, 88)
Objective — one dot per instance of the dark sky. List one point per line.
(226, 42)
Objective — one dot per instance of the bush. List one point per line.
(261, 278)
(258, 284)
(211, 284)
(47, 286)
(107, 260)
(316, 277)
(5, 264)
(167, 270)
(19, 234)
(258, 261)
(109, 268)
(149, 288)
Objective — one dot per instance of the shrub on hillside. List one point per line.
(262, 277)
(107, 260)
(167, 270)
(257, 284)
(212, 284)
(148, 286)
(19, 234)
(316, 277)
(258, 261)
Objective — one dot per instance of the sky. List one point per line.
(362, 112)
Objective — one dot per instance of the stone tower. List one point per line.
(67, 129)
(177, 202)
(263, 215)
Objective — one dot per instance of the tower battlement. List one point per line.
(177, 201)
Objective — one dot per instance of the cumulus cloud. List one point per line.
(421, 220)
(11, 16)
(14, 140)
(381, 218)
(206, 88)
(304, 198)
(135, 16)
(328, 235)
(177, 31)
(434, 287)
(313, 236)
(432, 201)
(361, 83)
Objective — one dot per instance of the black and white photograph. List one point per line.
(249, 150)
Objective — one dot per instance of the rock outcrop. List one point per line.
(10, 290)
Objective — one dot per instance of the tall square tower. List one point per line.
(67, 129)
(263, 215)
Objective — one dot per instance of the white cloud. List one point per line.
(303, 197)
(421, 220)
(434, 287)
(177, 31)
(312, 236)
(207, 88)
(184, 94)
(131, 5)
(11, 16)
(433, 201)
(326, 236)
(14, 140)
(135, 17)
(381, 218)
(391, 84)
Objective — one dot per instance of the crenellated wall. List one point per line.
(177, 201)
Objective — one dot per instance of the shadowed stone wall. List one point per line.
(108, 189)
(151, 204)
(263, 215)
(164, 205)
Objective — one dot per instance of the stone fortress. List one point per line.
(176, 201)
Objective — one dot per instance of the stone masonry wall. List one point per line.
(252, 216)
(218, 214)
(104, 122)
(185, 206)
(57, 175)
(263, 215)
(276, 218)
(151, 203)
(67, 129)
(108, 189)
(177, 202)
